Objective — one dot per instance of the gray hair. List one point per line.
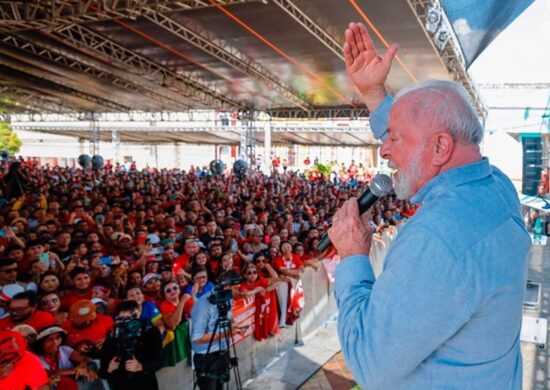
(444, 104)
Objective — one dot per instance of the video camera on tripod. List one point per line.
(221, 296)
(127, 335)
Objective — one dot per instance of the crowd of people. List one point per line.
(89, 257)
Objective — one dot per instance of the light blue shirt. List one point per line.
(446, 312)
(203, 320)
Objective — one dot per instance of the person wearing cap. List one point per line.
(6, 294)
(16, 363)
(85, 324)
(151, 287)
(62, 362)
(166, 273)
(22, 309)
(27, 331)
(135, 372)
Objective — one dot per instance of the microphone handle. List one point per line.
(365, 202)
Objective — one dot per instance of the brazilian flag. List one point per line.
(176, 345)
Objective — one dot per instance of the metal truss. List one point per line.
(32, 101)
(229, 55)
(313, 28)
(84, 127)
(52, 14)
(27, 77)
(56, 54)
(317, 113)
(514, 86)
(450, 53)
(185, 83)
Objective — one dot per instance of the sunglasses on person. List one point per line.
(9, 270)
(251, 273)
(53, 301)
(172, 289)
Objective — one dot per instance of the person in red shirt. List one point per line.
(265, 316)
(288, 263)
(85, 324)
(191, 248)
(81, 288)
(17, 363)
(22, 309)
(175, 306)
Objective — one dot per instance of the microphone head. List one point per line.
(381, 185)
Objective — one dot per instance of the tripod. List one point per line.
(220, 367)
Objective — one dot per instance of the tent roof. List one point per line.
(278, 56)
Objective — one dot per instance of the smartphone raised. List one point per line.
(44, 260)
(107, 260)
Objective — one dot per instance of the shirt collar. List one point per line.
(453, 177)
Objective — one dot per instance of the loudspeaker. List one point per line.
(85, 161)
(532, 164)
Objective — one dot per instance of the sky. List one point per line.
(520, 54)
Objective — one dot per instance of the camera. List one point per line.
(127, 334)
(221, 297)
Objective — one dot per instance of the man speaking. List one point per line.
(446, 311)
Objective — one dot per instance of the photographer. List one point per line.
(133, 353)
(211, 355)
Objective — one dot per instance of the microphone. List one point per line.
(380, 186)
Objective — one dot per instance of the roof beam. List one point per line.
(53, 14)
(312, 27)
(33, 101)
(57, 54)
(13, 68)
(229, 55)
(184, 83)
(317, 113)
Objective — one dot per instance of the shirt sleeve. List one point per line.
(379, 118)
(39, 376)
(388, 327)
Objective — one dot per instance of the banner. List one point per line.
(243, 311)
(477, 22)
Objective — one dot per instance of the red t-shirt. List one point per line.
(71, 297)
(97, 331)
(261, 282)
(38, 320)
(180, 262)
(27, 373)
(166, 307)
(293, 263)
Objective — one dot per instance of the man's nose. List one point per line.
(385, 151)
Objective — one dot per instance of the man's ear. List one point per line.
(443, 148)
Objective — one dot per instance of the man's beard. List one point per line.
(408, 177)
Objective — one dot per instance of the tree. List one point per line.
(9, 141)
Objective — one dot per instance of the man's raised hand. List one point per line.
(366, 69)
